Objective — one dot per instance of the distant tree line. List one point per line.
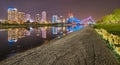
(111, 18)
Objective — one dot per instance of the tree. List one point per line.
(112, 18)
(117, 12)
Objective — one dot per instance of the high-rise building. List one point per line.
(60, 19)
(28, 17)
(37, 18)
(12, 15)
(54, 19)
(21, 17)
(64, 20)
(43, 19)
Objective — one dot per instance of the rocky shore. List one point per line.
(82, 47)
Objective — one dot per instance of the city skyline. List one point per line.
(15, 16)
(80, 8)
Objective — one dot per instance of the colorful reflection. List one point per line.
(17, 33)
(21, 39)
(43, 30)
(54, 30)
(38, 32)
(62, 31)
(14, 34)
(74, 28)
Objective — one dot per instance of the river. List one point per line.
(16, 40)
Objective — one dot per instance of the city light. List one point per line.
(14, 16)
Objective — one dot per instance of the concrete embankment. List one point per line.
(82, 47)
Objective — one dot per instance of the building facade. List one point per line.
(37, 18)
(54, 19)
(43, 17)
(28, 17)
(21, 17)
(12, 15)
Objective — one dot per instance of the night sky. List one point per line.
(80, 8)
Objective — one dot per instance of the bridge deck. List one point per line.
(79, 48)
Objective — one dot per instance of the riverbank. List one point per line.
(111, 28)
(28, 25)
(82, 47)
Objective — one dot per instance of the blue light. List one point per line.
(74, 28)
(70, 20)
(12, 40)
(54, 30)
(54, 19)
(30, 29)
(12, 8)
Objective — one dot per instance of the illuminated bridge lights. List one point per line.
(74, 20)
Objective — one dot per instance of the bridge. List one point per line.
(89, 20)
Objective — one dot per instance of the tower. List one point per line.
(43, 19)
(54, 19)
(21, 17)
(37, 18)
(12, 15)
(28, 17)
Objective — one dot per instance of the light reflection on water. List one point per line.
(14, 40)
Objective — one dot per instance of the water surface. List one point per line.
(16, 40)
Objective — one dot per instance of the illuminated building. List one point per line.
(12, 15)
(37, 18)
(28, 17)
(21, 17)
(64, 21)
(43, 19)
(54, 19)
(60, 19)
(12, 35)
